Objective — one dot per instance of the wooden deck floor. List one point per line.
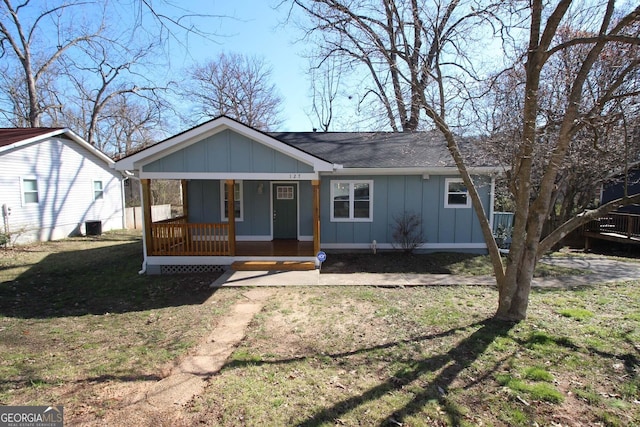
(612, 237)
(275, 248)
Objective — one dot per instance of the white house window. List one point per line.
(352, 201)
(30, 191)
(456, 194)
(237, 197)
(285, 192)
(98, 191)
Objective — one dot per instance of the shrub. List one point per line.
(407, 231)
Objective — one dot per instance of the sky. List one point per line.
(252, 27)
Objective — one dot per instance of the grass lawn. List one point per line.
(76, 319)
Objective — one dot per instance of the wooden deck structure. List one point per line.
(614, 227)
(178, 237)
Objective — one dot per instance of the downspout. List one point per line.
(492, 201)
(143, 270)
(124, 206)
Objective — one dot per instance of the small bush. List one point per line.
(407, 231)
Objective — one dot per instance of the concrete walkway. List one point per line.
(600, 269)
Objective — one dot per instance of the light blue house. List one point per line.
(255, 196)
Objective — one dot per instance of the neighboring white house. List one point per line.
(52, 183)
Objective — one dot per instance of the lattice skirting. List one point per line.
(186, 269)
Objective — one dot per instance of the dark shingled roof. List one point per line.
(10, 136)
(373, 149)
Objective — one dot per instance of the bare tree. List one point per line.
(132, 123)
(104, 80)
(236, 86)
(325, 83)
(399, 44)
(68, 63)
(415, 55)
(19, 38)
(596, 151)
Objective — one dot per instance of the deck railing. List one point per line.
(177, 237)
(617, 223)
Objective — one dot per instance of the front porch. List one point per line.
(177, 237)
(179, 242)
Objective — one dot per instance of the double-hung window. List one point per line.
(98, 190)
(456, 194)
(352, 201)
(30, 191)
(237, 198)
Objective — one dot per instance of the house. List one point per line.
(250, 195)
(614, 188)
(623, 224)
(53, 184)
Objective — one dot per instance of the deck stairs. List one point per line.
(273, 266)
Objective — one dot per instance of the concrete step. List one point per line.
(273, 266)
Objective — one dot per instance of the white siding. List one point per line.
(65, 172)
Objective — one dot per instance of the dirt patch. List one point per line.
(393, 262)
(153, 402)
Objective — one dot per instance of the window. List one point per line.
(352, 200)
(29, 191)
(98, 192)
(456, 195)
(237, 197)
(285, 192)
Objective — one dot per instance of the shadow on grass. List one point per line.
(97, 280)
(450, 365)
(395, 262)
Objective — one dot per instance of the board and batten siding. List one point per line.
(228, 151)
(392, 196)
(205, 207)
(65, 173)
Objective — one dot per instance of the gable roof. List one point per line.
(12, 138)
(333, 150)
(211, 127)
(426, 150)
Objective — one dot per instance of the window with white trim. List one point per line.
(285, 192)
(30, 191)
(98, 190)
(456, 194)
(237, 196)
(352, 201)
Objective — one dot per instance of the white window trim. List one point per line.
(93, 189)
(351, 200)
(447, 205)
(22, 190)
(223, 211)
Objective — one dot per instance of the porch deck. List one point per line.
(614, 227)
(177, 237)
(275, 248)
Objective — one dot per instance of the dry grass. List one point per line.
(422, 356)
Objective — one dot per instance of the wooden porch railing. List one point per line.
(177, 237)
(624, 224)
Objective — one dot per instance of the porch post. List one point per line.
(316, 216)
(185, 197)
(231, 215)
(146, 213)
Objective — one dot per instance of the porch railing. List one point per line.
(177, 237)
(627, 225)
